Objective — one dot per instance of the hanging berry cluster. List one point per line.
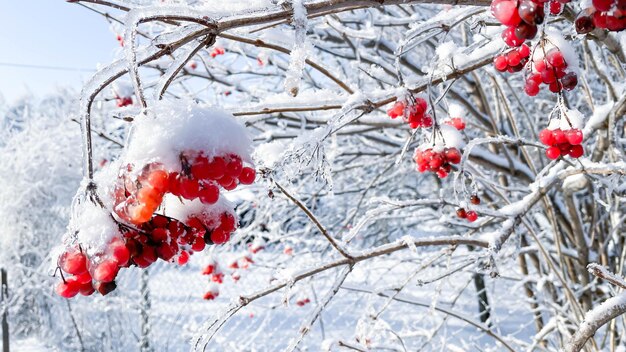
(439, 154)
(166, 202)
(551, 69)
(513, 60)
(413, 112)
(605, 14)
(563, 135)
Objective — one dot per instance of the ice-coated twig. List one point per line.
(308, 323)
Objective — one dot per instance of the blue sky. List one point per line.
(49, 33)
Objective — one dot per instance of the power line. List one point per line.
(43, 67)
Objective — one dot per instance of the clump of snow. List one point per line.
(170, 128)
(299, 51)
(569, 119)
(456, 110)
(94, 227)
(446, 50)
(269, 154)
(182, 210)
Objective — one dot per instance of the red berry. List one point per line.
(559, 136)
(189, 188)
(472, 216)
(209, 194)
(510, 38)
(501, 63)
(174, 183)
(531, 88)
(158, 179)
(248, 175)
(217, 168)
(553, 153)
(396, 110)
(453, 155)
(183, 258)
(219, 236)
(555, 7)
(505, 11)
(74, 262)
(86, 289)
(602, 5)
(68, 289)
(106, 271)
(474, 199)
(461, 213)
(119, 252)
(546, 137)
(234, 167)
(555, 58)
(105, 288)
(201, 168)
(576, 151)
(574, 136)
(524, 51)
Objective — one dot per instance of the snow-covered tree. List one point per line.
(351, 175)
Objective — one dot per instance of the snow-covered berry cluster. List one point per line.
(217, 50)
(606, 14)
(413, 112)
(552, 70)
(165, 202)
(469, 215)
(437, 161)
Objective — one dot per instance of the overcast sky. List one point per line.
(49, 33)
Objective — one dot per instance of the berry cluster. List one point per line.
(123, 101)
(216, 274)
(551, 70)
(200, 177)
(520, 17)
(562, 142)
(437, 161)
(514, 60)
(162, 238)
(456, 122)
(412, 111)
(471, 215)
(606, 14)
(218, 50)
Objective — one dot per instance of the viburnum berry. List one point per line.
(562, 143)
(461, 213)
(73, 262)
(412, 111)
(455, 122)
(474, 199)
(472, 216)
(105, 288)
(106, 271)
(68, 289)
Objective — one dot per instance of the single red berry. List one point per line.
(576, 151)
(574, 136)
(474, 199)
(201, 169)
(531, 88)
(73, 262)
(105, 288)
(158, 179)
(461, 213)
(119, 252)
(546, 137)
(68, 289)
(234, 167)
(106, 271)
(553, 153)
(209, 194)
(501, 63)
(219, 236)
(472, 216)
(86, 289)
(505, 11)
(248, 175)
(217, 167)
(189, 188)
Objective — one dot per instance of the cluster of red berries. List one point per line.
(470, 215)
(412, 111)
(162, 238)
(437, 161)
(550, 70)
(562, 142)
(136, 200)
(513, 60)
(456, 122)
(216, 274)
(218, 50)
(123, 101)
(606, 14)
(522, 17)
